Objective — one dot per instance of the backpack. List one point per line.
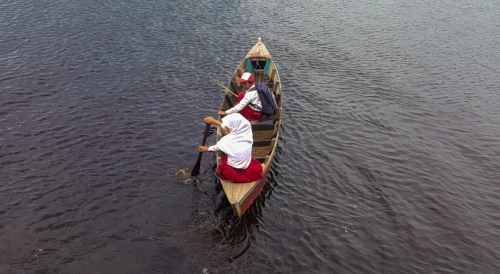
(267, 99)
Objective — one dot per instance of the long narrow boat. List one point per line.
(259, 62)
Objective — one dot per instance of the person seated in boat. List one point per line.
(237, 165)
(248, 104)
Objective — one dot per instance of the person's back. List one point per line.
(237, 145)
(237, 165)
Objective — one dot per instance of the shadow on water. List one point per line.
(238, 234)
(214, 238)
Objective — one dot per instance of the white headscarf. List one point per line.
(238, 143)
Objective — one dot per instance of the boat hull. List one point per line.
(259, 62)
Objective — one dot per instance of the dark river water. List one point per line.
(388, 162)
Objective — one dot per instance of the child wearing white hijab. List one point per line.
(237, 165)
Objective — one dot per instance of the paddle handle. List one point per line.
(224, 87)
(196, 169)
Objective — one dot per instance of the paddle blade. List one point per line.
(196, 169)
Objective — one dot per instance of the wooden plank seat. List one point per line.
(264, 132)
(262, 135)
(261, 150)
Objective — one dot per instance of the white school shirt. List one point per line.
(251, 99)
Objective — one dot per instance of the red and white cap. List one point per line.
(246, 77)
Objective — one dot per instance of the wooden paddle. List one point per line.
(224, 87)
(196, 169)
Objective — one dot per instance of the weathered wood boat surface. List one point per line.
(259, 62)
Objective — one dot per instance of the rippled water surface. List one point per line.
(388, 160)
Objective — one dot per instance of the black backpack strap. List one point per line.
(254, 88)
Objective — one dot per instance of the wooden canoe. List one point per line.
(259, 62)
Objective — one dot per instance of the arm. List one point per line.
(211, 120)
(243, 103)
(205, 148)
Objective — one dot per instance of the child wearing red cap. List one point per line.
(248, 105)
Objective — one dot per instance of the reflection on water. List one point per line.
(238, 233)
(217, 235)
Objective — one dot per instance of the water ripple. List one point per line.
(387, 159)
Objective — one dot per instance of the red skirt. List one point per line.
(252, 173)
(250, 114)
